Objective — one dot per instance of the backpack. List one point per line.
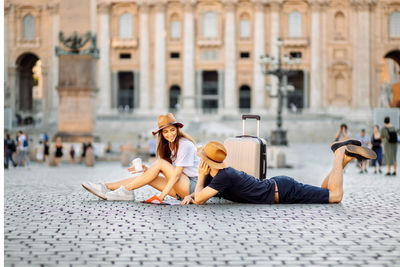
(11, 145)
(25, 143)
(392, 136)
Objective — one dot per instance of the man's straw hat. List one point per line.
(214, 154)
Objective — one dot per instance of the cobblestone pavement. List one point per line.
(50, 220)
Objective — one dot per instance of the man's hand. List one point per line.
(187, 200)
(204, 169)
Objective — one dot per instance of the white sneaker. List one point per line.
(98, 189)
(120, 194)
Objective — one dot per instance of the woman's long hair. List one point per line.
(163, 150)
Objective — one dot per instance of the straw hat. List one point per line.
(165, 121)
(214, 154)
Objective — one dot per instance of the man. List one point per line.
(389, 137)
(22, 149)
(365, 142)
(215, 177)
(9, 147)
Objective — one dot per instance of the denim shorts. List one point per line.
(291, 191)
(192, 186)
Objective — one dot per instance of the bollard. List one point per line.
(281, 160)
(52, 159)
(126, 157)
(89, 159)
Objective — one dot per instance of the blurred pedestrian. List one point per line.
(10, 148)
(40, 152)
(152, 147)
(389, 137)
(342, 133)
(22, 149)
(108, 151)
(46, 149)
(376, 143)
(364, 138)
(72, 154)
(59, 152)
(83, 152)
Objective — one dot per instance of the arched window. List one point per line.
(175, 27)
(126, 26)
(395, 24)
(210, 25)
(244, 97)
(245, 26)
(339, 25)
(29, 27)
(295, 24)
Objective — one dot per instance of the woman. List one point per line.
(59, 152)
(72, 154)
(376, 143)
(46, 151)
(40, 152)
(176, 159)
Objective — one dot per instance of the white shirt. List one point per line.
(187, 158)
(21, 140)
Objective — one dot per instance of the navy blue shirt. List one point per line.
(240, 187)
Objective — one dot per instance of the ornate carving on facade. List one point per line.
(230, 4)
(103, 8)
(189, 5)
(318, 5)
(258, 4)
(8, 7)
(53, 8)
(363, 5)
(160, 5)
(275, 5)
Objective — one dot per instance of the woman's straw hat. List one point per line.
(165, 121)
(214, 154)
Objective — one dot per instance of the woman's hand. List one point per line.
(187, 200)
(204, 169)
(132, 169)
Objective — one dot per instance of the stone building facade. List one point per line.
(194, 56)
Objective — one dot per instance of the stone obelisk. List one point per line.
(76, 88)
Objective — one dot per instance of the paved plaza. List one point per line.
(50, 220)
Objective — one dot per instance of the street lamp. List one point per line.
(279, 67)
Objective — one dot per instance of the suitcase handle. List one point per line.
(257, 117)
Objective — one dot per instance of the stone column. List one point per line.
(8, 40)
(52, 98)
(221, 93)
(104, 77)
(114, 94)
(230, 94)
(316, 56)
(275, 6)
(199, 90)
(144, 90)
(362, 51)
(259, 50)
(160, 103)
(188, 93)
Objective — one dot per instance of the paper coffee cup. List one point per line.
(137, 163)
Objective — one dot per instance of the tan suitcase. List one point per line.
(248, 153)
